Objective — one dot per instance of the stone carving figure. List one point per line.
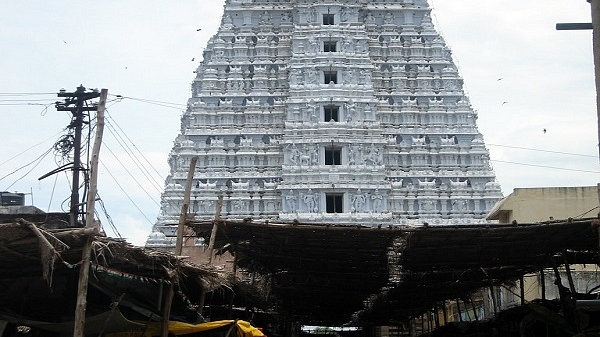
(205, 206)
(373, 155)
(377, 200)
(389, 18)
(311, 76)
(295, 155)
(239, 205)
(351, 155)
(286, 17)
(310, 200)
(227, 20)
(344, 14)
(290, 202)
(350, 110)
(358, 201)
(265, 18)
(305, 156)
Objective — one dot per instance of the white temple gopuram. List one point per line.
(330, 111)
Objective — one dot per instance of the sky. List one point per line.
(520, 73)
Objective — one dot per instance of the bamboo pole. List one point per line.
(80, 307)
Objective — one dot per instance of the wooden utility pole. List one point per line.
(178, 244)
(80, 307)
(74, 102)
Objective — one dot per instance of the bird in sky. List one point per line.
(199, 29)
(500, 79)
(544, 129)
(193, 58)
(504, 102)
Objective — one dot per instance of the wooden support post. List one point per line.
(429, 321)
(569, 276)
(445, 312)
(458, 310)
(178, 245)
(213, 233)
(80, 307)
(167, 310)
(473, 308)
(230, 330)
(3, 325)
(494, 304)
(201, 301)
(543, 284)
(185, 206)
(522, 289)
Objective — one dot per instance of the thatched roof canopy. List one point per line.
(39, 270)
(325, 274)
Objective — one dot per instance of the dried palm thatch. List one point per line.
(333, 274)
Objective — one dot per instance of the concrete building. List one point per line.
(529, 205)
(534, 205)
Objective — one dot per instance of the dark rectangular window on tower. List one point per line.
(328, 19)
(331, 113)
(330, 46)
(334, 203)
(333, 155)
(330, 77)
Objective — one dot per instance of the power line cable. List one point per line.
(544, 166)
(130, 174)
(124, 192)
(23, 176)
(38, 159)
(171, 105)
(122, 134)
(547, 151)
(132, 155)
(107, 216)
(26, 93)
(29, 148)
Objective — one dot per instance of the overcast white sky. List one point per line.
(144, 50)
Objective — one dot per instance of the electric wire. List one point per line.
(130, 174)
(124, 134)
(29, 148)
(544, 166)
(125, 193)
(540, 150)
(52, 193)
(107, 216)
(171, 105)
(23, 176)
(26, 93)
(133, 156)
(112, 126)
(38, 159)
(584, 213)
(153, 183)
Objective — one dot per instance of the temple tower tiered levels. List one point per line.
(345, 111)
